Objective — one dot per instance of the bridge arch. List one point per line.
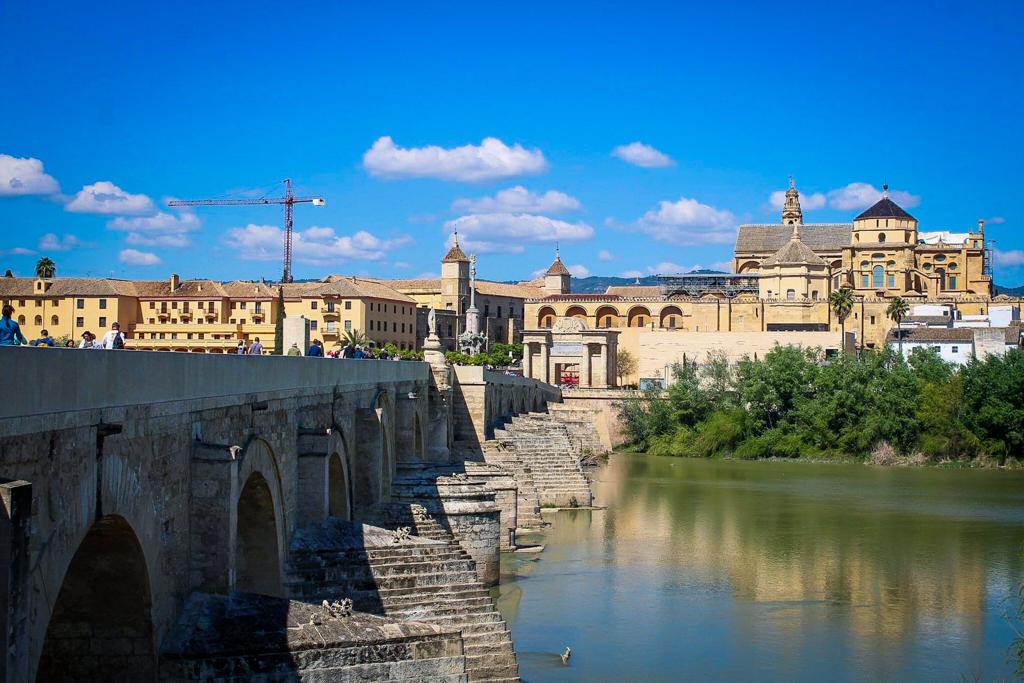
(259, 522)
(339, 482)
(105, 598)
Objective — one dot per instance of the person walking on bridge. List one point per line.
(256, 348)
(44, 340)
(315, 349)
(10, 331)
(114, 339)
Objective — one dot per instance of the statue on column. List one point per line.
(472, 342)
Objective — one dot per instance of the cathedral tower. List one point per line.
(791, 212)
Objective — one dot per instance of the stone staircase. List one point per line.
(581, 425)
(527, 498)
(545, 445)
(426, 578)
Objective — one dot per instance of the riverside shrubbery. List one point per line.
(793, 403)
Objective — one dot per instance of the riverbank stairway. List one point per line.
(421, 574)
(527, 497)
(546, 445)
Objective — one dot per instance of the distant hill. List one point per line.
(1009, 291)
(597, 284)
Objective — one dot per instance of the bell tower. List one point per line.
(791, 212)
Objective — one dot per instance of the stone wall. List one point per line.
(484, 399)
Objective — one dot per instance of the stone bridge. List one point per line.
(132, 481)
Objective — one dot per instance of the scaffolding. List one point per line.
(697, 285)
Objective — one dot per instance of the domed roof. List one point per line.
(794, 252)
(885, 208)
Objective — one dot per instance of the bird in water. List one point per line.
(565, 655)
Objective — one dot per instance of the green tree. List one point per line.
(625, 364)
(771, 388)
(994, 402)
(45, 267)
(896, 311)
(841, 301)
(279, 324)
(356, 338)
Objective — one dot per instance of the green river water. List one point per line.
(709, 570)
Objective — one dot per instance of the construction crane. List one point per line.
(289, 200)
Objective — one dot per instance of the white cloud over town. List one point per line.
(639, 154)
(862, 195)
(104, 197)
(1009, 259)
(52, 242)
(518, 199)
(492, 159)
(687, 222)
(315, 245)
(605, 255)
(509, 232)
(24, 176)
(134, 257)
(18, 251)
(162, 229)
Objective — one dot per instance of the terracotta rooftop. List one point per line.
(794, 252)
(557, 267)
(638, 291)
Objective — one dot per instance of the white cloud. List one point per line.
(134, 257)
(639, 154)
(997, 220)
(579, 270)
(808, 202)
(315, 245)
(401, 265)
(605, 255)
(21, 176)
(687, 222)
(1010, 259)
(518, 200)
(631, 273)
(162, 229)
(492, 159)
(51, 242)
(104, 197)
(508, 232)
(18, 251)
(862, 195)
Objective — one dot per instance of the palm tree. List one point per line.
(45, 267)
(897, 311)
(356, 338)
(841, 301)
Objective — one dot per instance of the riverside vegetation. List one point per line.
(794, 403)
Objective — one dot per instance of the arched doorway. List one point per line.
(337, 488)
(100, 628)
(671, 317)
(546, 317)
(257, 557)
(577, 312)
(639, 316)
(607, 317)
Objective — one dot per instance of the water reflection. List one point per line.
(774, 571)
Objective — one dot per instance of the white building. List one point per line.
(957, 345)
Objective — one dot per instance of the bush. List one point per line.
(774, 443)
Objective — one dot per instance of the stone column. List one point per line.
(602, 364)
(585, 365)
(527, 360)
(545, 371)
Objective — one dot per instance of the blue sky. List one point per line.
(384, 109)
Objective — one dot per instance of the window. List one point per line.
(790, 294)
(511, 312)
(79, 322)
(499, 311)
(242, 305)
(174, 305)
(202, 335)
(21, 320)
(232, 321)
(54, 320)
(330, 307)
(881, 237)
(877, 274)
(103, 304)
(872, 320)
(956, 349)
(163, 336)
(348, 325)
(152, 320)
(39, 320)
(242, 321)
(403, 328)
(936, 349)
(174, 335)
(348, 305)
(152, 305)
(312, 324)
(864, 281)
(952, 281)
(892, 280)
(312, 305)
(394, 327)
(188, 336)
(487, 310)
(200, 305)
(79, 303)
(103, 321)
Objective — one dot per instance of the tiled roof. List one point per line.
(638, 291)
(455, 254)
(794, 252)
(771, 238)
(486, 288)
(933, 334)
(929, 319)
(884, 208)
(67, 286)
(557, 268)
(346, 288)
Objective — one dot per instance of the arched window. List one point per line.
(881, 237)
(21, 320)
(790, 294)
(941, 272)
(54, 321)
(877, 277)
(39, 320)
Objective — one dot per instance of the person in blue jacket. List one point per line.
(44, 340)
(315, 349)
(10, 331)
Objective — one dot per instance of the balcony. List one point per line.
(331, 314)
(185, 314)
